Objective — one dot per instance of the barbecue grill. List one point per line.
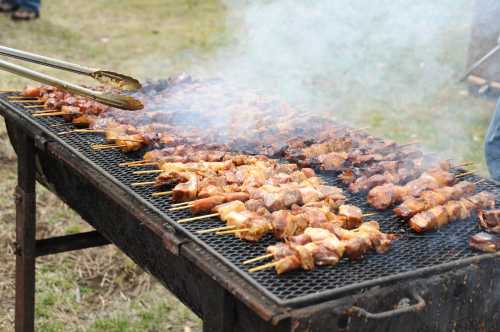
(434, 281)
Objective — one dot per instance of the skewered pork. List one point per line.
(441, 215)
(431, 198)
(382, 197)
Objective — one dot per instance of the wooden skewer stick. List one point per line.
(111, 146)
(181, 221)
(143, 184)
(409, 143)
(357, 129)
(162, 193)
(7, 91)
(81, 131)
(151, 171)
(21, 101)
(126, 140)
(233, 231)
(22, 97)
(152, 163)
(51, 114)
(183, 203)
(100, 146)
(103, 145)
(60, 125)
(482, 180)
(45, 111)
(135, 162)
(263, 267)
(127, 163)
(369, 214)
(215, 229)
(466, 173)
(184, 207)
(35, 106)
(258, 258)
(468, 163)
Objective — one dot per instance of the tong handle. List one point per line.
(117, 80)
(46, 61)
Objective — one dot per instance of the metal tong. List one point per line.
(116, 80)
(481, 60)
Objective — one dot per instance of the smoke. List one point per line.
(390, 65)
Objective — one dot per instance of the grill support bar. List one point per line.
(27, 248)
(71, 242)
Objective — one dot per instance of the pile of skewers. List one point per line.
(235, 178)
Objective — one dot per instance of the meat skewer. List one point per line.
(452, 210)
(252, 224)
(384, 196)
(318, 246)
(432, 198)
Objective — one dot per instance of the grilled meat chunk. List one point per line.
(485, 242)
(490, 220)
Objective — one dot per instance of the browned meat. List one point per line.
(32, 91)
(431, 198)
(490, 220)
(186, 191)
(384, 196)
(485, 242)
(287, 264)
(353, 215)
(206, 204)
(441, 215)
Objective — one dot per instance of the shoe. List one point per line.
(24, 14)
(7, 6)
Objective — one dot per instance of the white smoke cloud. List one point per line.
(385, 64)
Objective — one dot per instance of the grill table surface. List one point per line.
(409, 257)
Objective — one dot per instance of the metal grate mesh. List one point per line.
(410, 253)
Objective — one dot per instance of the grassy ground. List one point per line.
(101, 289)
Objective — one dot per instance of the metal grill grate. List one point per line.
(411, 253)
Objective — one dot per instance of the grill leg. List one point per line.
(25, 236)
(218, 310)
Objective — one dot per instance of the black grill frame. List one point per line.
(447, 248)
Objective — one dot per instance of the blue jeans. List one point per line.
(30, 4)
(492, 145)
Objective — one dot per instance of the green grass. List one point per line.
(148, 39)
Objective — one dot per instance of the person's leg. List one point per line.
(27, 10)
(492, 145)
(30, 4)
(8, 5)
